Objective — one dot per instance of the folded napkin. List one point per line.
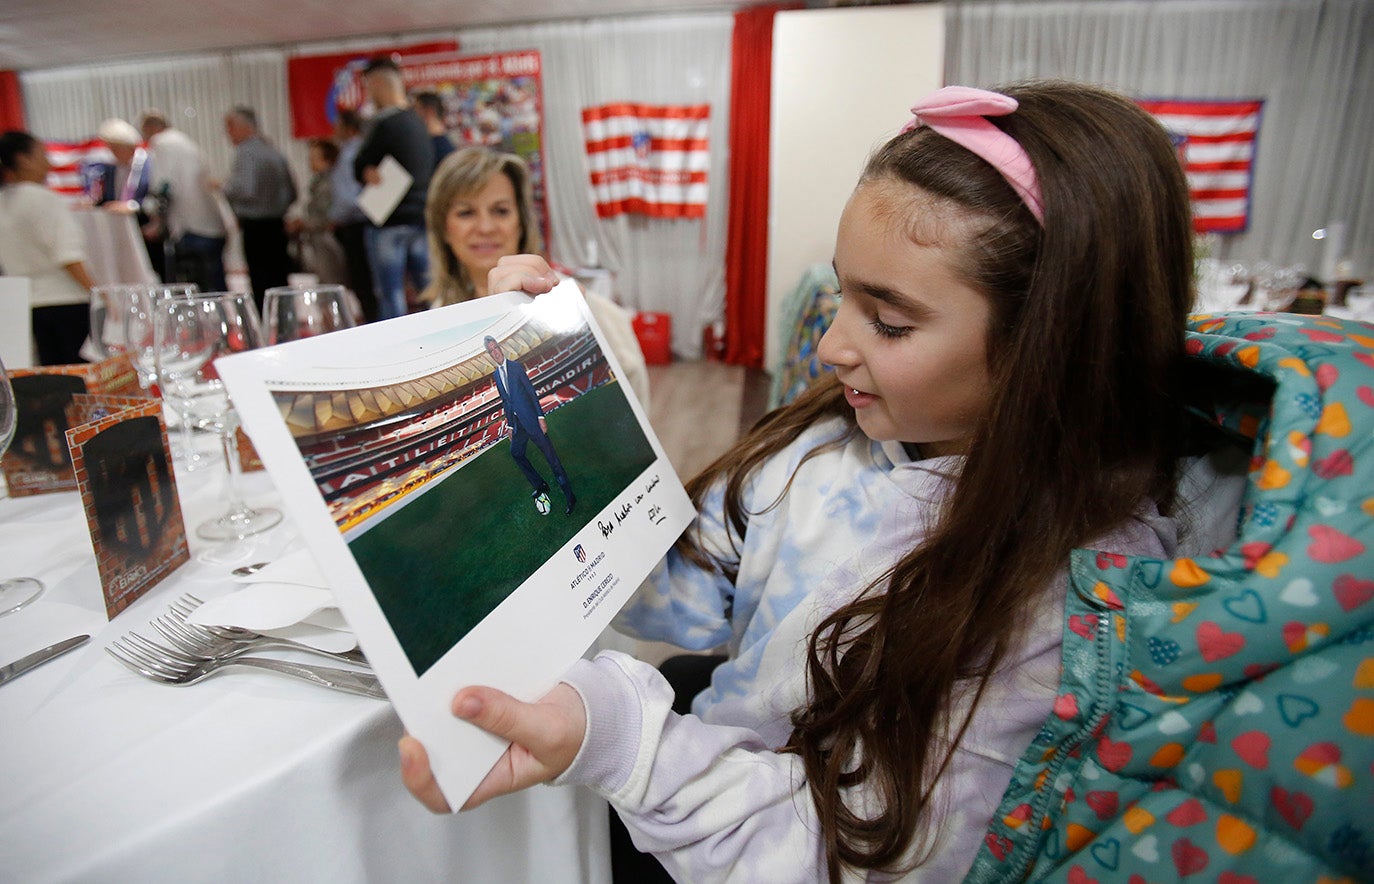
(296, 566)
(305, 614)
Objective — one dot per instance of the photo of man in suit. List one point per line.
(525, 418)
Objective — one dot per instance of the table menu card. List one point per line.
(123, 468)
(479, 488)
(38, 461)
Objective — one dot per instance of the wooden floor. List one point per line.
(698, 409)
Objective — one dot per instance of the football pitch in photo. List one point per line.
(444, 559)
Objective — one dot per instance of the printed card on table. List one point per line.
(479, 487)
(123, 468)
(37, 461)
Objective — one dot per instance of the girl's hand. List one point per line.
(521, 273)
(545, 738)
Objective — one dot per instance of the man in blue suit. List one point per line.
(525, 418)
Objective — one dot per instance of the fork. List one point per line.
(223, 641)
(151, 660)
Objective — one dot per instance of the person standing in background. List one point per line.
(317, 249)
(396, 247)
(347, 219)
(125, 184)
(480, 210)
(260, 189)
(184, 205)
(430, 107)
(40, 239)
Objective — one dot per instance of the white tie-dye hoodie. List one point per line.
(706, 793)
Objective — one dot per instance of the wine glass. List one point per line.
(15, 592)
(295, 312)
(109, 309)
(191, 332)
(122, 322)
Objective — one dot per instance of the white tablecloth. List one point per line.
(114, 248)
(249, 776)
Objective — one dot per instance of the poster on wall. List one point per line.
(493, 100)
(321, 84)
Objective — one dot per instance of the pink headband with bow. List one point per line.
(960, 114)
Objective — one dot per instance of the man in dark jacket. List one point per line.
(395, 247)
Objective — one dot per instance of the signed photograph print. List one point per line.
(452, 487)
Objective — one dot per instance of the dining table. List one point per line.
(115, 252)
(246, 776)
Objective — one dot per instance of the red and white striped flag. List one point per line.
(649, 159)
(1218, 152)
(68, 159)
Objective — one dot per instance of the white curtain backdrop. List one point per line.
(662, 265)
(68, 103)
(1311, 61)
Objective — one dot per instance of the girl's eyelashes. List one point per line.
(884, 330)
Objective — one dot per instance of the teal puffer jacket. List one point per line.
(1215, 718)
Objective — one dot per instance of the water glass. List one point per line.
(295, 312)
(191, 332)
(122, 321)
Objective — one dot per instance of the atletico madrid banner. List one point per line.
(319, 85)
(1217, 145)
(648, 159)
(496, 100)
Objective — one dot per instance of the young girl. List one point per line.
(1016, 274)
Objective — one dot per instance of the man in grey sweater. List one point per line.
(260, 189)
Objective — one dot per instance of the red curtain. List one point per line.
(11, 102)
(746, 247)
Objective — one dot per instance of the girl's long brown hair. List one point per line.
(1085, 345)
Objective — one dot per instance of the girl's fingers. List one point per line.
(550, 730)
(417, 776)
(545, 738)
(500, 780)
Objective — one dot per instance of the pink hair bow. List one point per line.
(960, 114)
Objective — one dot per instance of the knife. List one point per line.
(24, 664)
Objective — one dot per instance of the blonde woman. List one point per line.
(480, 209)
